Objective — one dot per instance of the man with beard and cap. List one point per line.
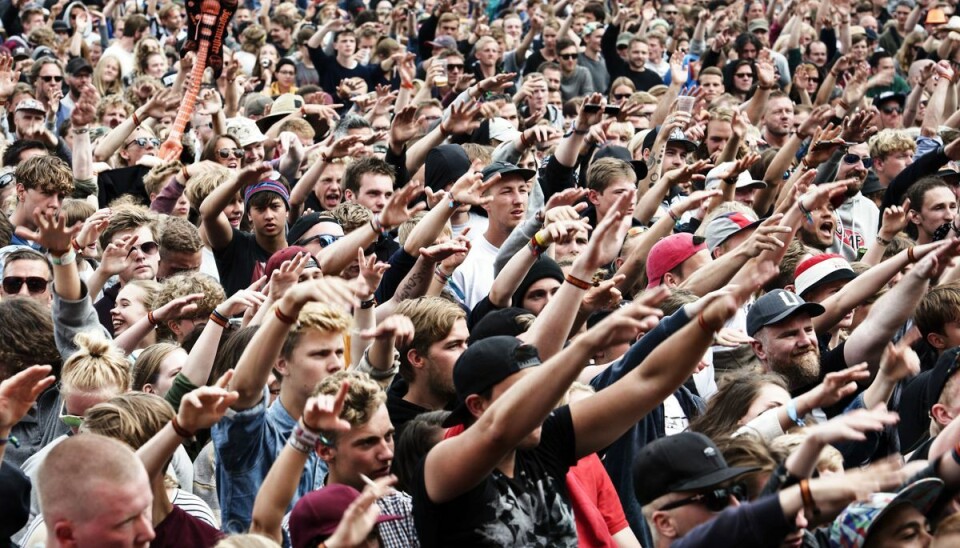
(444, 165)
(859, 217)
(78, 72)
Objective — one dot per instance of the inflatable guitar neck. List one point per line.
(207, 25)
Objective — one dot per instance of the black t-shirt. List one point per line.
(331, 72)
(241, 262)
(530, 509)
(400, 410)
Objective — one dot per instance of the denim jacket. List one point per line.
(247, 443)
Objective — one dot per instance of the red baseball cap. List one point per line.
(668, 253)
(821, 269)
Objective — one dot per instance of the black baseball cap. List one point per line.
(900, 98)
(499, 322)
(485, 364)
(307, 222)
(777, 306)
(688, 461)
(77, 65)
(445, 164)
(506, 168)
(622, 153)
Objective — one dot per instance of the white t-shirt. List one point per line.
(125, 57)
(473, 280)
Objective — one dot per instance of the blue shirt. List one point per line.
(246, 444)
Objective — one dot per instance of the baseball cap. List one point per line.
(757, 24)
(504, 169)
(77, 65)
(306, 222)
(852, 526)
(821, 269)
(483, 365)
(624, 39)
(60, 26)
(724, 226)
(622, 153)
(31, 104)
(245, 131)
(445, 42)
(688, 461)
(18, 48)
(744, 179)
(652, 136)
(43, 51)
(282, 106)
(777, 306)
(668, 253)
(445, 164)
(317, 514)
(287, 254)
(900, 98)
(502, 130)
(872, 184)
(256, 104)
(266, 186)
(871, 35)
(499, 322)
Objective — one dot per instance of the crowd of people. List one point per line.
(503, 273)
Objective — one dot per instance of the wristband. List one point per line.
(674, 216)
(377, 225)
(806, 213)
(523, 140)
(150, 318)
(535, 247)
(578, 283)
(882, 242)
(579, 131)
(76, 245)
(771, 87)
(443, 131)
(80, 130)
(705, 326)
(218, 319)
(283, 317)
(792, 413)
(407, 85)
(368, 304)
(910, 256)
(185, 173)
(136, 119)
(12, 440)
(180, 430)
(453, 204)
(298, 444)
(809, 505)
(62, 258)
(440, 276)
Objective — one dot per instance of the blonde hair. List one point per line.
(132, 418)
(476, 151)
(107, 88)
(364, 397)
(146, 370)
(403, 232)
(830, 458)
(890, 141)
(151, 288)
(200, 186)
(432, 318)
(319, 317)
(97, 366)
(187, 283)
(158, 176)
(351, 215)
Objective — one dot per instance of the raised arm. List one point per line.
(458, 464)
(217, 227)
(156, 107)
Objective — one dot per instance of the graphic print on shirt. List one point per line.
(537, 517)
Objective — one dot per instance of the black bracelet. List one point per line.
(368, 304)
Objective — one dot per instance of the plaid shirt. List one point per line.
(399, 533)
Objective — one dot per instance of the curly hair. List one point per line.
(319, 317)
(351, 215)
(45, 173)
(188, 283)
(889, 141)
(115, 100)
(364, 397)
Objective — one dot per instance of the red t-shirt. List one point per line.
(596, 505)
(180, 529)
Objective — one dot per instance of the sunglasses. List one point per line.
(35, 284)
(6, 179)
(323, 239)
(715, 500)
(568, 56)
(891, 110)
(73, 421)
(744, 75)
(854, 158)
(142, 142)
(225, 153)
(49, 79)
(147, 248)
(454, 66)
(621, 96)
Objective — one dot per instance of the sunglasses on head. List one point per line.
(35, 284)
(323, 239)
(6, 179)
(49, 79)
(891, 110)
(142, 142)
(147, 248)
(568, 56)
(854, 158)
(225, 153)
(715, 501)
(73, 421)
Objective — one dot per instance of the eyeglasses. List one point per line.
(73, 421)
(323, 239)
(49, 79)
(744, 75)
(568, 56)
(854, 158)
(147, 248)
(225, 153)
(142, 142)
(891, 110)
(715, 500)
(35, 284)
(287, 72)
